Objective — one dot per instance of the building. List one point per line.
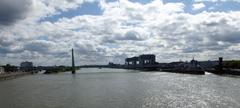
(141, 61)
(2, 70)
(147, 59)
(132, 61)
(26, 66)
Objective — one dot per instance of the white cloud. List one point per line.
(198, 6)
(124, 29)
(217, 0)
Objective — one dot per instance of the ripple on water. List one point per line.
(121, 89)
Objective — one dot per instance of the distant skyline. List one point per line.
(102, 31)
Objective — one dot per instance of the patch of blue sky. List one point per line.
(224, 6)
(93, 8)
(82, 29)
(209, 6)
(112, 45)
(111, 1)
(88, 8)
(187, 3)
(43, 38)
(142, 1)
(178, 1)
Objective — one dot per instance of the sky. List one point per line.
(102, 31)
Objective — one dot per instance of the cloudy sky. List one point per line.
(44, 31)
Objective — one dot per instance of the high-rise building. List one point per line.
(26, 66)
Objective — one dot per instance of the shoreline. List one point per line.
(10, 76)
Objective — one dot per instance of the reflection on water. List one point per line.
(109, 88)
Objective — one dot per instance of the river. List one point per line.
(117, 88)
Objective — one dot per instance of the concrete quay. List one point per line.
(8, 76)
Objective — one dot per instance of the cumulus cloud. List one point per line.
(198, 6)
(125, 29)
(41, 46)
(13, 10)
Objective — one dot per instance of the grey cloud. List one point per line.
(46, 48)
(130, 35)
(7, 46)
(107, 40)
(5, 50)
(217, 33)
(38, 46)
(71, 0)
(13, 10)
(4, 42)
(228, 36)
(111, 36)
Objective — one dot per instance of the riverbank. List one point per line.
(226, 72)
(9, 76)
(56, 70)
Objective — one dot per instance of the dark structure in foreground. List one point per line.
(148, 62)
(222, 70)
(192, 67)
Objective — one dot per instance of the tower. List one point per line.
(73, 64)
(220, 64)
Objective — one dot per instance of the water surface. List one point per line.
(116, 88)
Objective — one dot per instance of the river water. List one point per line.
(116, 88)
